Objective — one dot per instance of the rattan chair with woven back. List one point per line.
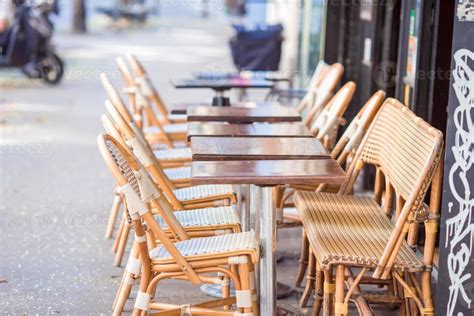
(179, 177)
(156, 129)
(150, 93)
(346, 232)
(214, 260)
(184, 198)
(197, 223)
(343, 152)
(169, 158)
(320, 93)
(325, 129)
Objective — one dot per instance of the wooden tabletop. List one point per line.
(222, 84)
(267, 172)
(182, 108)
(247, 130)
(256, 148)
(272, 114)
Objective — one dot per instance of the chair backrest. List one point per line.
(136, 142)
(146, 86)
(318, 96)
(140, 194)
(130, 88)
(320, 72)
(137, 118)
(350, 140)
(115, 98)
(407, 151)
(325, 125)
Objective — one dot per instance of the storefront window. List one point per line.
(311, 39)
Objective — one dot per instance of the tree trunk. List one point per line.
(79, 16)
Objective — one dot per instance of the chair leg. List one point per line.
(225, 290)
(318, 291)
(253, 286)
(122, 245)
(340, 308)
(303, 258)
(328, 292)
(427, 291)
(119, 234)
(126, 286)
(113, 217)
(244, 273)
(309, 281)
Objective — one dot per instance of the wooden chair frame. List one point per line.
(404, 184)
(319, 95)
(343, 152)
(237, 265)
(149, 91)
(144, 113)
(159, 136)
(144, 152)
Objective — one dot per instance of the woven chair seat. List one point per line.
(215, 247)
(173, 154)
(177, 117)
(216, 216)
(203, 191)
(178, 173)
(349, 230)
(168, 128)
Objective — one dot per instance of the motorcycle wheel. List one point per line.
(52, 69)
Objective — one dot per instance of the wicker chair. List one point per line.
(346, 231)
(157, 129)
(185, 198)
(175, 157)
(225, 257)
(343, 152)
(148, 90)
(319, 95)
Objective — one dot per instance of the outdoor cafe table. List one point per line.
(274, 114)
(247, 130)
(182, 108)
(265, 174)
(256, 148)
(222, 85)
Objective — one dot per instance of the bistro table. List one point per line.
(222, 85)
(182, 108)
(265, 174)
(274, 114)
(247, 130)
(256, 148)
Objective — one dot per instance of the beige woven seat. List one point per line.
(219, 246)
(168, 128)
(357, 227)
(178, 173)
(174, 154)
(217, 216)
(202, 191)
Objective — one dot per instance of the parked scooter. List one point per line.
(27, 43)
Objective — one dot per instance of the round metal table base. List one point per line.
(215, 290)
